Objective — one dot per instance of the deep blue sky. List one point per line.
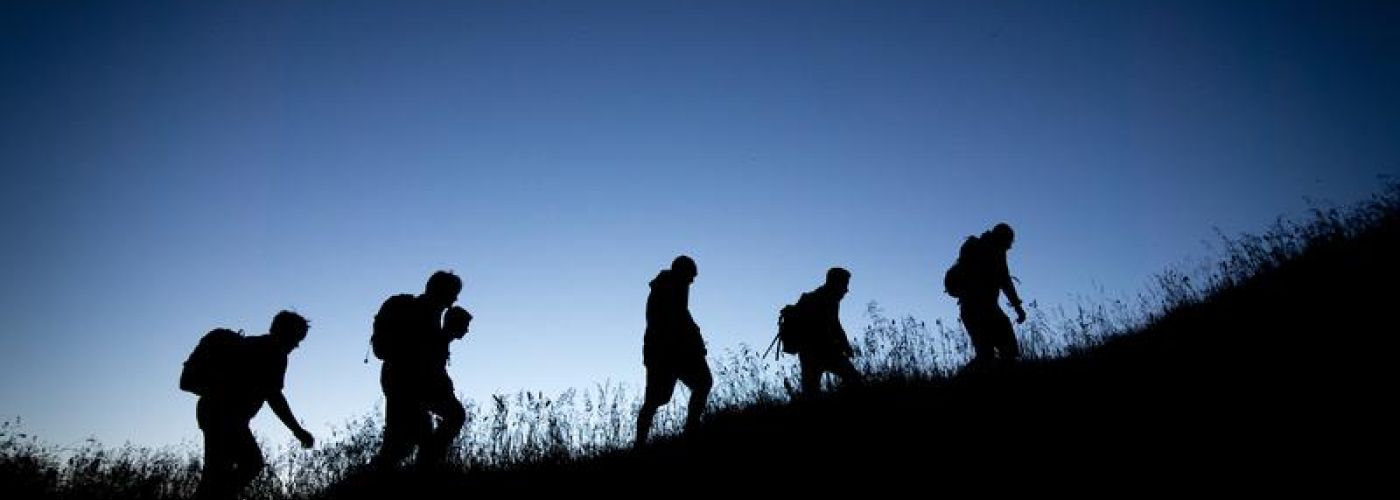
(169, 168)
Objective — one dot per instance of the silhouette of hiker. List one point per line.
(234, 376)
(412, 335)
(985, 275)
(673, 349)
(825, 347)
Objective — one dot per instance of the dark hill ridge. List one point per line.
(1271, 383)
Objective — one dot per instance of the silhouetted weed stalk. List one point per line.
(529, 427)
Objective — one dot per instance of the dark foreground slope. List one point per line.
(1273, 383)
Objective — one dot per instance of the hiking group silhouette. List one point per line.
(234, 375)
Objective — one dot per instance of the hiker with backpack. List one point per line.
(812, 330)
(233, 376)
(977, 279)
(412, 336)
(673, 349)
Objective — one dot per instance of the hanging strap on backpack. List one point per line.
(777, 342)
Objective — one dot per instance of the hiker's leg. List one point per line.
(974, 320)
(842, 367)
(812, 371)
(661, 384)
(247, 459)
(218, 464)
(405, 423)
(218, 455)
(403, 418)
(1008, 351)
(698, 379)
(447, 407)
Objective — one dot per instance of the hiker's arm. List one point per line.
(278, 403)
(1010, 290)
(1008, 286)
(846, 348)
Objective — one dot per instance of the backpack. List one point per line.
(390, 327)
(961, 276)
(794, 330)
(211, 367)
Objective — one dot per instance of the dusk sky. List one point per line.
(173, 167)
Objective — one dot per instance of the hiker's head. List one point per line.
(838, 279)
(456, 321)
(684, 267)
(442, 289)
(289, 328)
(1002, 236)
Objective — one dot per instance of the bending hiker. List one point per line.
(412, 336)
(233, 376)
(672, 348)
(978, 277)
(820, 342)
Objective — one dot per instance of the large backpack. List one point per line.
(212, 366)
(390, 327)
(794, 326)
(963, 274)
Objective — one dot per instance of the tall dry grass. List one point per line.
(530, 427)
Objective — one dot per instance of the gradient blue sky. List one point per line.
(173, 167)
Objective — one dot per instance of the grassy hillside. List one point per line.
(1261, 373)
(1264, 375)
